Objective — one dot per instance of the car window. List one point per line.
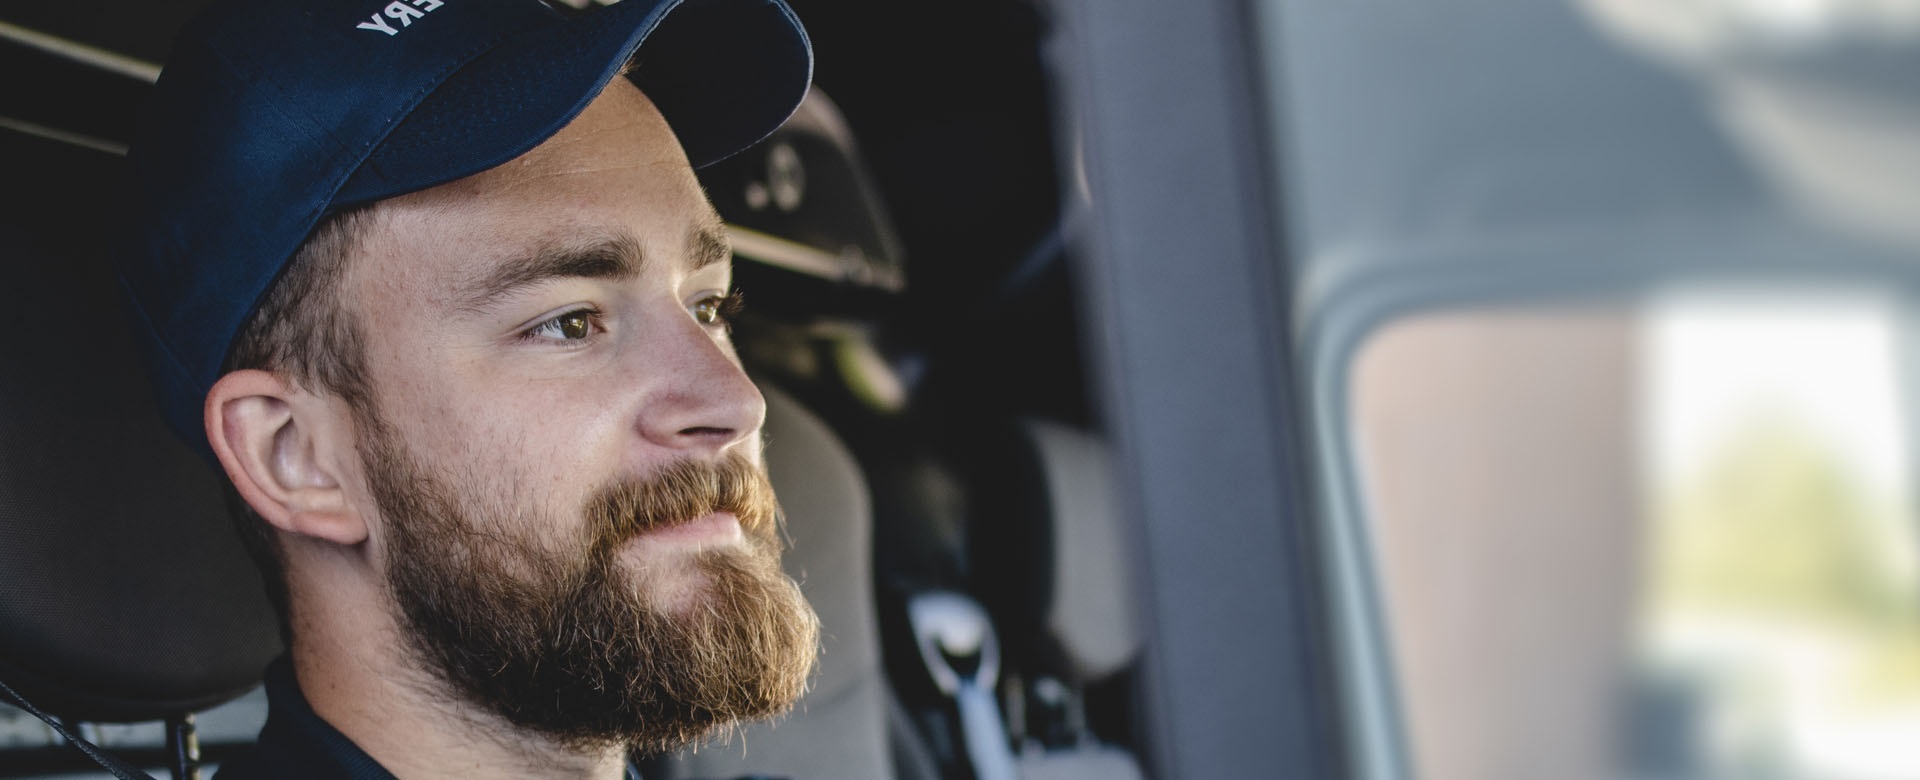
(1661, 538)
(1604, 314)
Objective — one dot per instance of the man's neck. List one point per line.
(405, 719)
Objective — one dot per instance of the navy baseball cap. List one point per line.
(272, 114)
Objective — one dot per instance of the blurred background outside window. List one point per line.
(1667, 539)
(1607, 308)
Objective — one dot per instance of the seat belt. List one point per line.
(106, 760)
(962, 654)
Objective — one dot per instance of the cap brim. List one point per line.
(724, 73)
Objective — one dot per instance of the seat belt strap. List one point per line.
(103, 758)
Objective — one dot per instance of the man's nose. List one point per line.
(701, 400)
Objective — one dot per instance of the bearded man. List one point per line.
(434, 284)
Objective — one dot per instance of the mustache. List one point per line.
(682, 491)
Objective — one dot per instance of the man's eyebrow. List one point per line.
(614, 258)
(708, 245)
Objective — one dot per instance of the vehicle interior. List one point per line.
(1459, 390)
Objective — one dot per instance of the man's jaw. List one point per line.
(664, 620)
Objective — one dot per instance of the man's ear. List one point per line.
(279, 444)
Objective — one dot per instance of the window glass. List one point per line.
(1659, 539)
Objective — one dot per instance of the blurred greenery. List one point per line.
(1776, 528)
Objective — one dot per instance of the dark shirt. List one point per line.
(297, 745)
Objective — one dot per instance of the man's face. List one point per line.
(564, 453)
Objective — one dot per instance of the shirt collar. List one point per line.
(298, 745)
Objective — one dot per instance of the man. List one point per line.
(435, 286)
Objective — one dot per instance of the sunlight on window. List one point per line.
(1779, 634)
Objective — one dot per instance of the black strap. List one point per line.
(99, 756)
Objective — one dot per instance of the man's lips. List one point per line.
(710, 528)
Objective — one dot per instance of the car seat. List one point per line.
(1060, 588)
(124, 594)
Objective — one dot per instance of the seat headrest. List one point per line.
(1092, 613)
(124, 594)
(1051, 555)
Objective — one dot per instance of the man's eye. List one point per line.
(719, 309)
(572, 326)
